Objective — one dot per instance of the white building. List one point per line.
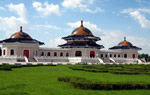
(81, 46)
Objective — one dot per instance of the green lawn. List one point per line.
(42, 80)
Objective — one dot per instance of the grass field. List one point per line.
(42, 80)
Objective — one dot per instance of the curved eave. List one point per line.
(73, 45)
(70, 37)
(126, 47)
(10, 40)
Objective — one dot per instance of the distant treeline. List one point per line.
(145, 56)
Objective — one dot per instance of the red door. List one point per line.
(92, 54)
(133, 56)
(26, 53)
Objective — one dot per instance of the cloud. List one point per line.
(138, 16)
(46, 9)
(2, 8)
(55, 42)
(141, 19)
(82, 5)
(140, 42)
(144, 10)
(10, 24)
(40, 27)
(143, 2)
(111, 38)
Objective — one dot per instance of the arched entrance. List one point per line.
(26, 53)
(92, 53)
(0, 52)
(133, 56)
(78, 53)
(125, 55)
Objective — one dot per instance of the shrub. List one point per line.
(82, 83)
(5, 68)
(115, 69)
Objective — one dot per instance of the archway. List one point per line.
(125, 55)
(0, 52)
(11, 52)
(133, 56)
(78, 53)
(26, 53)
(92, 53)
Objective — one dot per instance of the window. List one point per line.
(55, 53)
(119, 55)
(125, 55)
(0, 52)
(11, 52)
(101, 55)
(61, 54)
(78, 53)
(67, 54)
(110, 55)
(48, 54)
(106, 55)
(42, 53)
(4, 51)
(115, 55)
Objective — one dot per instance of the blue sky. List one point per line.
(49, 20)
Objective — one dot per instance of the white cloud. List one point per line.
(111, 38)
(144, 10)
(2, 8)
(143, 2)
(138, 16)
(140, 42)
(82, 5)
(141, 19)
(46, 9)
(10, 24)
(55, 42)
(39, 27)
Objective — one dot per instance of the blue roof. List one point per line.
(81, 37)
(13, 40)
(126, 47)
(82, 44)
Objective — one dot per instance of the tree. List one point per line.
(145, 56)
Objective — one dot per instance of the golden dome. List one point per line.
(81, 30)
(21, 35)
(125, 43)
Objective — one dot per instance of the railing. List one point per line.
(68, 59)
(12, 58)
(126, 60)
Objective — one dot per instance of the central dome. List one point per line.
(81, 31)
(20, 35)
(125, 43)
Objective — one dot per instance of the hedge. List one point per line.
(7, 67)
(83, 83)
(115, 69)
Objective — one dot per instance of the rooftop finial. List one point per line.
(20, 28)
(81, 23)
(124, 38)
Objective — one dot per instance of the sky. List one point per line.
(49, 20)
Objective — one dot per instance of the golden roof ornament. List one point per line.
(81, 23)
